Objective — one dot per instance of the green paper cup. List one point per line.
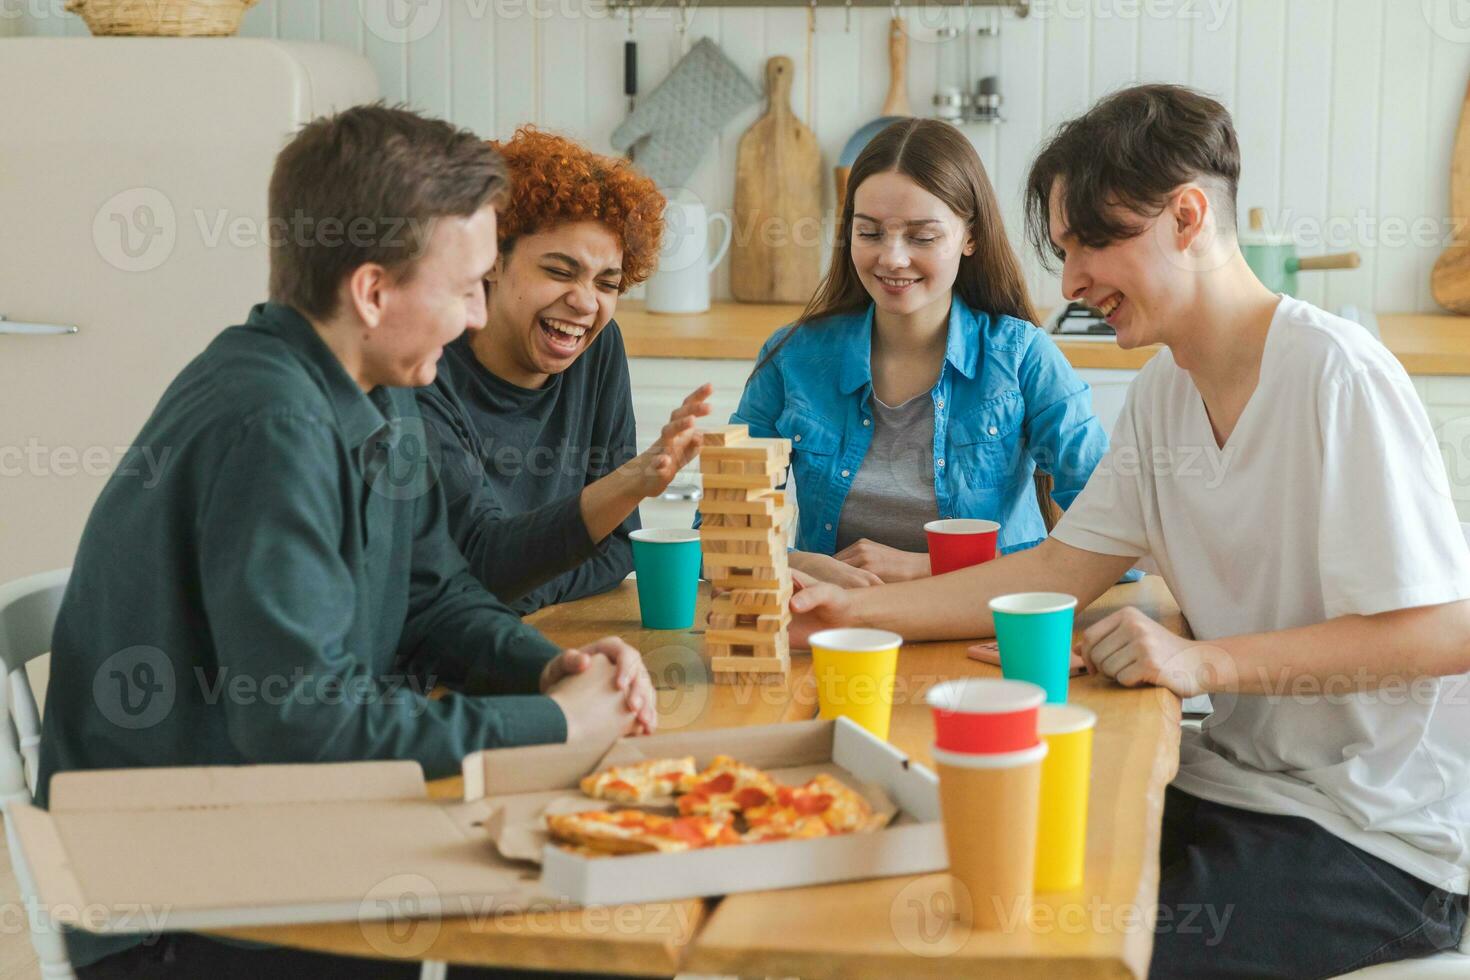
(1034, 631)
(666, 563)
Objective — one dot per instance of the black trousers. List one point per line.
(184, 956)
(1245, 894)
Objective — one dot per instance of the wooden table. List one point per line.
(884, 928)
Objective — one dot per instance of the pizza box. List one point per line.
(138, 850)
(142, 850)
(521, 781)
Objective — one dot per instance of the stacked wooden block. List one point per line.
(743, 536)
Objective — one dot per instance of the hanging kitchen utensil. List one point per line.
(777, 254)
(630, 69)
(675, 124)
(1450, 281)
(895, 107)
(1272, 256)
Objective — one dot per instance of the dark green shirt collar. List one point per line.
(357, 416)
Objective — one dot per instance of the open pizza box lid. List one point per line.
(912, 843)
(143, 850)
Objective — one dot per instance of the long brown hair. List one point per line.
(936, 156)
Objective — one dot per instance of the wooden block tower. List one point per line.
(743, 535)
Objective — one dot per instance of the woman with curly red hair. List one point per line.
(532, 416)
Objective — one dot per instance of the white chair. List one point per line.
(27, 614)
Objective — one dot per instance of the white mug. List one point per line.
(680, 284)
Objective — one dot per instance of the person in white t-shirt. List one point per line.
(1275, 463)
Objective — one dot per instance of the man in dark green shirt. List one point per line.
(287, 590)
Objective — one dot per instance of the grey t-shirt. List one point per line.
(892, 495)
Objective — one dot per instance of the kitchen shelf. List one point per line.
(1425, 343)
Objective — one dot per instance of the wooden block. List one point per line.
(744, 602)
(749, 449)
(749, 578)
(749, 467)
(743, 579)
(750, 665)
(762, 643)
(748, 552)
(748, 679)
(770, 544)
(748, 644)
(764, 502)
(762, 534)
(726, 435)
(739, 481)
(728, 521)
(771, 622)
(723, 621)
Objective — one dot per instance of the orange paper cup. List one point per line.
(989, 803)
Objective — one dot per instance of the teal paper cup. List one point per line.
(666, 561)
(1034, 632)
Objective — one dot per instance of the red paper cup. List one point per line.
(960, 542)
(984, 716)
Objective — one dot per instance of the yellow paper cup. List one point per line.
(854, 669)
(1061, 828)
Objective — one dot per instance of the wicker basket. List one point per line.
(161, 18)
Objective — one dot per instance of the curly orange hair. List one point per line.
(554, 180)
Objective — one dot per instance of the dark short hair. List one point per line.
(366, 185)
(1125, 156)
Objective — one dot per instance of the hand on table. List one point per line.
(621, 678)
(816, 606)
(889, 564)
(1133, 649)
(825, 568)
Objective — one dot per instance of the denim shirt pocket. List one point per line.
(808, 433)
(987, 441)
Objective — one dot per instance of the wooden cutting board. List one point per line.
(776, 251)
(1450, 280)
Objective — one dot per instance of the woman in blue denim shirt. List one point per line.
(915, 385)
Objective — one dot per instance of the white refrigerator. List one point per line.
(133, 176)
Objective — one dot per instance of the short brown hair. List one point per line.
(556, 180)
(366, 185)
(1127, 154)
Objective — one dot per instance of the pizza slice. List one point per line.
(639, 782)
(726, 787)
(824, 799)
(637, 831)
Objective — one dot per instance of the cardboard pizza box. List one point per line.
(137, 850)
(224, 846)
(913, 843)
